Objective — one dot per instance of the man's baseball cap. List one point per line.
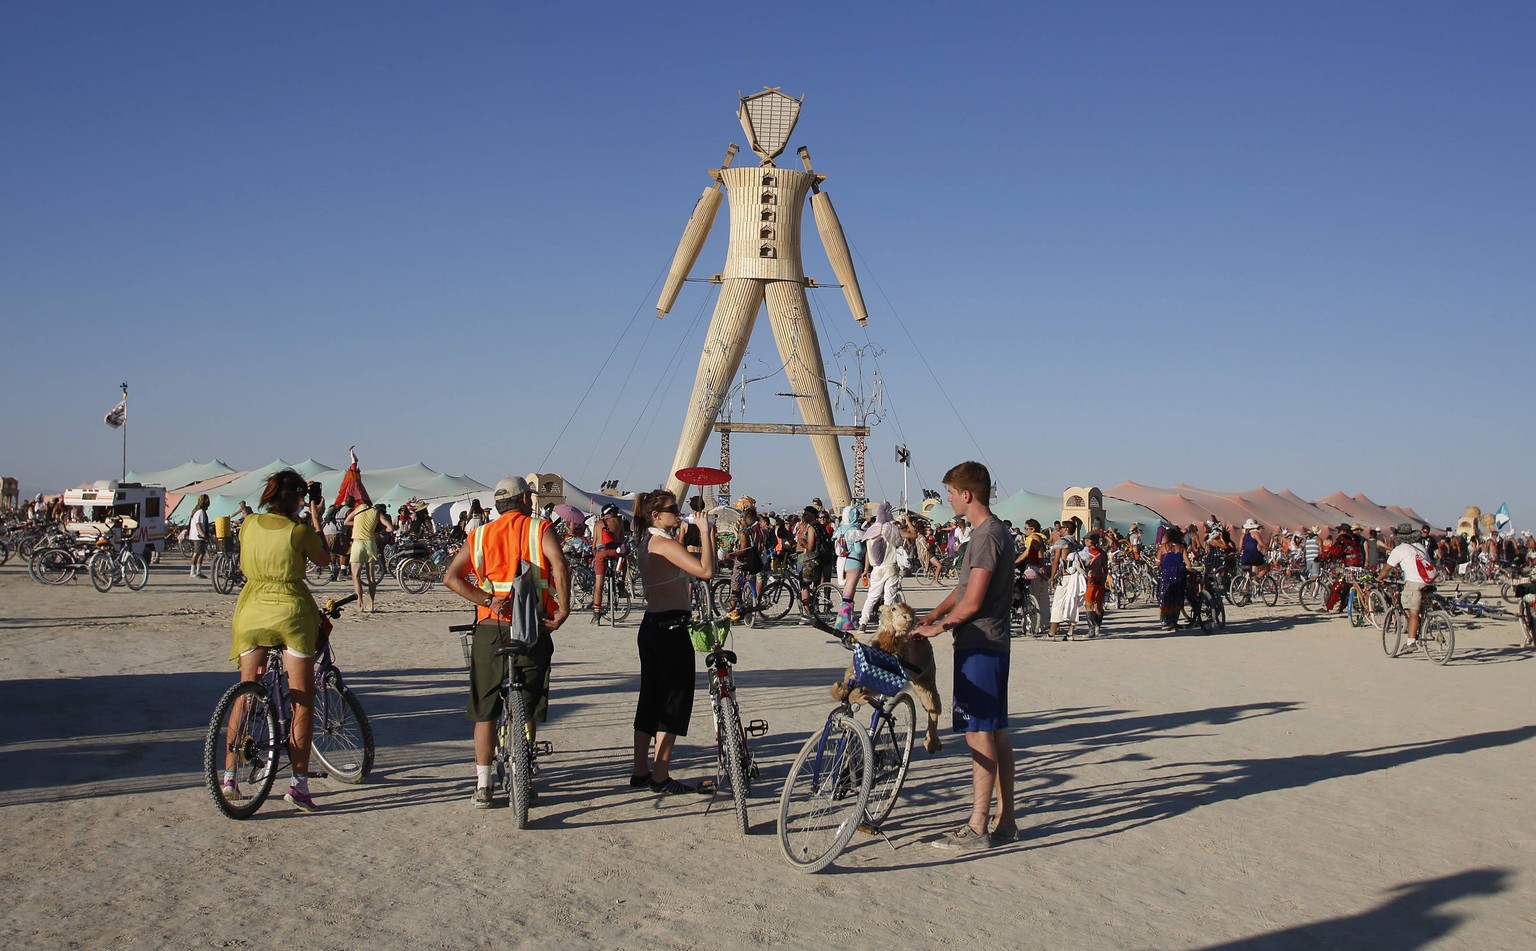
(511, 487)
(607, 510)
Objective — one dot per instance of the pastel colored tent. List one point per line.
(185, 474)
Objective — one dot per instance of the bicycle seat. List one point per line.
(728, 656)
(512, 650)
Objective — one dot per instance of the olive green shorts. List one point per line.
(486, 670)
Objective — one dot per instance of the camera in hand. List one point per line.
(315, 494)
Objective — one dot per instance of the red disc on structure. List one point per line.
(703, 475)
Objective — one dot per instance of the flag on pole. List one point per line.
(1501, 522)
(119, 415)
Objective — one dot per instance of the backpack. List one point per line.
(825, 550)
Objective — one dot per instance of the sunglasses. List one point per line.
(668, 510)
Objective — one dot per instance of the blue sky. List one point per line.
(1231, 245)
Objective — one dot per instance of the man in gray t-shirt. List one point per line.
(977, 611)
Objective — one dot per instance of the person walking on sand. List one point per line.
(364, 521)
(667, 666)
(977, 611)
(198, 534)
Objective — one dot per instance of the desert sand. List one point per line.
(1279, 785)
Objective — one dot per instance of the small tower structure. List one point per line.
(1087, 504)
(1470, 519)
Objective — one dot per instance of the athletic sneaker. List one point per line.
(1407, 647)
(482, 797)
(231, 791)
(300, 800)
(963, 839)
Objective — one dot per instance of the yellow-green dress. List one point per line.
(275, 606)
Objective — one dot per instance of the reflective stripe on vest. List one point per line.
(532, 552)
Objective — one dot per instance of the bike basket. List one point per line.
(466, 641)
(706, 636)
(877, 671)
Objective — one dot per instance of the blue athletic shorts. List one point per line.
(981, 692)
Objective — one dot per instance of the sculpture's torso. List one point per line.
(765, 222)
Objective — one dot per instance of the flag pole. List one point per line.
(125, 432)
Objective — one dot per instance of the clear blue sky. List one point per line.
(1225, 244)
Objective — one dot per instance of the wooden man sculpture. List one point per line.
(763, 263)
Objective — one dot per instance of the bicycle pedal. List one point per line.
(757, 727)
(318, 774)
(543, 748)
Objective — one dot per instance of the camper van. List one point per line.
(141, 507)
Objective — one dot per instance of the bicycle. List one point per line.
(117, 564)
(1437, 636)
(734, 764)
(1203, 603)
(846, 777)
(515, 756)
(59, 565)
(224, 573)
(1367, 601)
(616, 600)
(1248, 583)
(250, 727)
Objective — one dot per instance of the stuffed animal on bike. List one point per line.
(894, 636)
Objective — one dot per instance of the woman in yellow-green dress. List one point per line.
(276, 610)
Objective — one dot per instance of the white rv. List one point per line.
(141, 507)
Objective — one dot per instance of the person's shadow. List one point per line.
(1414, 917)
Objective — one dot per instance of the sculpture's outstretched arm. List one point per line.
(831, 231)
(694, 236)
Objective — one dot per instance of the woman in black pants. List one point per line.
(666, 654)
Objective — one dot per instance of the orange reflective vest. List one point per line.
(499, 547)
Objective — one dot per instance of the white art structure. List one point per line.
(763, 264)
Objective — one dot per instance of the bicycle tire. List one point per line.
(1392, 631)
(776, 600)
(135, 572)
(824, 796)
(582, 582)
(52, 566)
(5, 553)
(1357, 608)
(221, 574)
(618, 604)
(1217, 609)
(342, 739)
(519, 758)
(1269, 590)
(891, 745)
(826, 600)
(1313, 594)
(256, 745)
(414, 576)
(316, 575)
(1377, 607)
(1506, 590)
(1241, 592)
(102, 570)
(733, 752)
(1437, 635)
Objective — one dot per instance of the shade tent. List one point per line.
(1120, 515)
(173, 499)
(1024, 504)
(186, 474)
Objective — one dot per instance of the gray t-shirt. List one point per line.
(991, 549)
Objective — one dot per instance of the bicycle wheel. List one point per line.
(617, 604)
(825, 794)
(826, 599)
(1506, 590)
(135, 572)
(1357, 607)
(582, 582)
(1216, 609)
(891, 743)
(222, 574)
(52, 566)
(1269, 590)
(518, 757)
(1376, 608)
(1313, 594)
(776, 600)
(343, 740)
(253, 740)
(1392, 630)
(317, 575)
(1437, 636)
(102, 571)
(415, 576)
(733, 752)
(1241, 592)
(5, 553)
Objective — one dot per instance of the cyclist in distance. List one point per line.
(276, 609)
(1413, 560)
(1251, 550)
(607, 546)
(493, 554)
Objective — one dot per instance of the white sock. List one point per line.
(300, 782)
(482, 776)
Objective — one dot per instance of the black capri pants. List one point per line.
(667, 670)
